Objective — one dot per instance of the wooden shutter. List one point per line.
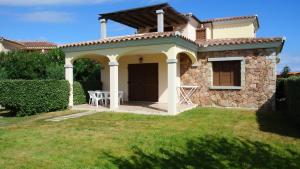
(201, 34)
(216, 73)
(227, 73)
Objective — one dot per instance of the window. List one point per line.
(226, 73)
(201, 34)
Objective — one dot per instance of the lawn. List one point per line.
(201, 138)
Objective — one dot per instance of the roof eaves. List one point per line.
(102, 15)
(229, 18)
(11, 41)
(242, 43)
(193, 16)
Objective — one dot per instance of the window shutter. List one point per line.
(227, 73)
(201, 34)
(216, 74)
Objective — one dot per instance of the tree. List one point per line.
(32, 65)
(285, 71)
(86, 70)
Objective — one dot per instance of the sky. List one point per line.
(64, 21)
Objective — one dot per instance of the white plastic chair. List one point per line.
(94, 99)
(91, 93)
(100, 97)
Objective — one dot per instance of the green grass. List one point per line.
(200, 138)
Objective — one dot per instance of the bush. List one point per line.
(32, 65)
(28, 97)
(292, 91)
(79, 94)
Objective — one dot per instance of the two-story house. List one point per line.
(221, 59)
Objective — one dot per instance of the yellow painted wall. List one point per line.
(241, 30)
(162, 73)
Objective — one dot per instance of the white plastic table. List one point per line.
(106, 95)
(185, 93)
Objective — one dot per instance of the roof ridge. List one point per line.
(230, 18)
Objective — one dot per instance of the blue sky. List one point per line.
(63, 21)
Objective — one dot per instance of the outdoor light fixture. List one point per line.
(141, 59)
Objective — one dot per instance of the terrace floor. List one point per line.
(138, 108)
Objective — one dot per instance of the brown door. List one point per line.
(143, 82)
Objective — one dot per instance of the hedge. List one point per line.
(281, 103)
(292, 92)
(79, 94)
(28, 97)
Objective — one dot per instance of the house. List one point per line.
(7, 45)
(290, 74)
(223, 57)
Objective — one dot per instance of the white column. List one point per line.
(160, 20)
(103, 28)
(69, 78)
(172, 92)
(114, 85)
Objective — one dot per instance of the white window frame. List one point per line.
(224, 59)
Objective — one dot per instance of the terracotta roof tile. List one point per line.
(229, 18)
(38, 44)
(153, 35)
(294, 73)
(238, 41)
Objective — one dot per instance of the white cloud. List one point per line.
(48, 2)
(48, 17)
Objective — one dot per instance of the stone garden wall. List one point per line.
(258, 81)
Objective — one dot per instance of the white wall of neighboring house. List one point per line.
(190, 29)
(2, 48)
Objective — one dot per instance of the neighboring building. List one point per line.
(7, 45)
(290, 74)
(223, 57)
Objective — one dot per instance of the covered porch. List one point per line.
(147, 108)
(146, 69)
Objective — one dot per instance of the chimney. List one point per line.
(160, 20)
(103, 28)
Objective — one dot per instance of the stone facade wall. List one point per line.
(257, 89)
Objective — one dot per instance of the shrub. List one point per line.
(32, 65)
(292, 91)
(78, 93)
(28, 97)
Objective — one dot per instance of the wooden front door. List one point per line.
(143, 82)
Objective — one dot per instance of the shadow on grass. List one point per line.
(212, 153)
(276, 122)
